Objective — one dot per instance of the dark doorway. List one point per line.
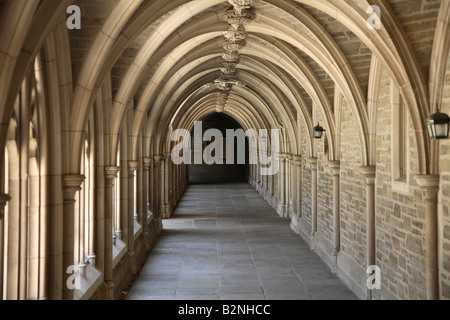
(219, 173)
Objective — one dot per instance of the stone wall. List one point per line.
(325, 230)
(444, 198)
(399, 207)
(305, 223)
(352, 257)
(400, 225)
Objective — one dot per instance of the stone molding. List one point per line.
(147, 163)
(71, 185)
(297, 160)
(111, 172)
(133, 165)
(428, 182)
(335, 167)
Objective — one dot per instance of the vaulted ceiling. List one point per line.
(267, 63)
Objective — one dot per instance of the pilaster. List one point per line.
(369, 173)
(71, 185)
(133, 166)
(430, 187)
(312, 162)
(335, 167)
(109, 237)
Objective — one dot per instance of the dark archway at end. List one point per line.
(219, 173)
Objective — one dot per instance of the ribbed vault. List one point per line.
(82, 110)
(147, 46)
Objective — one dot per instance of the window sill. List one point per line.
(119, 250)
(149, 217)
(90, 282)
(137, 229)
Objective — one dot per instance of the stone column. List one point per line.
(281, 186)
(157, 186)
(335, 167)
(71, 185)
(133, 166)
(151, 187)
(174, 188)
(252, 159)
(313, 165)
(163, 181)
(258, 173)
(292, 186)
(4, 198)
(297, 162)
(167, 186)
(430, 187)
(148, 164)
(270, 193)
(289, 186)
(369, 172)
(255, 170)
(266, 186)
(110, 176)
(146, 199)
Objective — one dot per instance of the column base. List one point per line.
(147, 243)
(159, 226)
(110, 286)
(281, 210)
(312, 245)
(92, 258)
(165, 212)
(132, 255)
(334, 268)
(369, 295)
(295, 221)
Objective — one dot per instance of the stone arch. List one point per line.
(438, 67)
(390, 46)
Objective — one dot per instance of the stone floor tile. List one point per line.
(224, 242)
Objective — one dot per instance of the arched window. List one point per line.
(400, 141)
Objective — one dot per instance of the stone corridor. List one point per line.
(225, 242)
(333, 114)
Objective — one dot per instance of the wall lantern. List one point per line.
(438, 125)
(318, 132)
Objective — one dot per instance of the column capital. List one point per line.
(282, 156)
(312, 161)
(429, 184)
(147, 162)
(157, 158)
(428, 181)
(335, 166)
(297, 160)
(133, 165)
(71, 185)
(111, 172)
(167, 156)
(289, 156)
(4, 198)
(369, 172)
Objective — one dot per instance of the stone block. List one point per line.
(415, 245)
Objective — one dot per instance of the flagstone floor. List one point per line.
(225, 242)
